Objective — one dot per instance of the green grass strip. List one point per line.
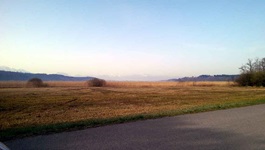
(13, 133)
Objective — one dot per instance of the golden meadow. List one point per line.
(67, 102)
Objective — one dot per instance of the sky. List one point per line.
(131, 39)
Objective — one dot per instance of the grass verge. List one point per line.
(13, 133)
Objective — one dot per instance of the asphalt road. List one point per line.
(240, 128)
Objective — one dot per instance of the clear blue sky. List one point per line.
(131, 39)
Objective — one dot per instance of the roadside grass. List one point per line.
(34, 111)
(71, 126)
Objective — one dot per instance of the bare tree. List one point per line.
(252, 73)
(243, 69)
(257, 65)
(253, 66)
(262, 63)
(250, 65)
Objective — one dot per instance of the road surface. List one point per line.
(239, 128)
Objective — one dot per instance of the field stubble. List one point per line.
(25, 107)
(122, 84)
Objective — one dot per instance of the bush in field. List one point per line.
(252, 73)
(244, 79)
(95, 82)
(35, 82)
(258, 79)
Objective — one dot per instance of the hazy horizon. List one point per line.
(135, 77)
(131, 39)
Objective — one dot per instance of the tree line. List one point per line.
(252, 73)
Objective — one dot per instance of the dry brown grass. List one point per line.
(66, 83)
(13, 84)
(22, 107)
(125, 84)
(22, 84)
(166, 84)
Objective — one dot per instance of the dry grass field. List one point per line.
(64, 102)
(122, 84)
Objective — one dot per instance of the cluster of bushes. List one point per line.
(252, 73)
(95, 82)
(36, 82)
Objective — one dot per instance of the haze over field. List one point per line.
(131, 39)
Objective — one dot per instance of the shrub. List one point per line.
(253, 73)
(245, 79)
(95, 82)
(35, 82)
(259, 78)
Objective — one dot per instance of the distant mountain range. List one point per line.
(24, 76)
(5, 68)
(20, 76)
(222, 77)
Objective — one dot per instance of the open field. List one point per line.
(22, 84)
(59, 107)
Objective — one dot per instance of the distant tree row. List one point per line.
(252, 73)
